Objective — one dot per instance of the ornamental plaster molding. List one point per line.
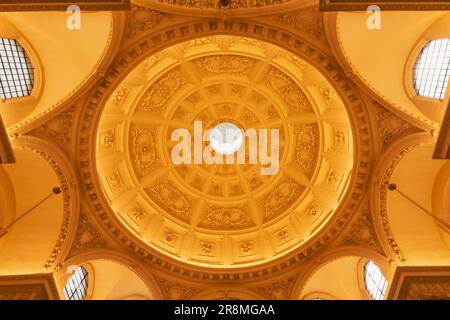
(71, 199)
(147, 45)
(391, 157)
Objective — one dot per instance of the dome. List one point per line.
(229, 214)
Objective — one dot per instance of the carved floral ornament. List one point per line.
(276, 106)
(232, 7)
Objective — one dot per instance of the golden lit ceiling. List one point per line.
(145, 228)
(230, 214)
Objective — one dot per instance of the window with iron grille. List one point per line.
(77, 285)
(376, 283)
(432, 69)
(16, 71)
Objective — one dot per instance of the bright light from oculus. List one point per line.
(226, 138)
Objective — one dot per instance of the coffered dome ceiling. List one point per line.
(224, 7)
(224, 215)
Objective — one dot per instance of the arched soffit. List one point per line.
(65, 60)
(422, 238)
(224, 215)
(412, 213)
(143, 48)
(366, 52)
(33, 179)
(235, 9)
(113, 281)
(315, 281)
(340, 279)
(114, 276)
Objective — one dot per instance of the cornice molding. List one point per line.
(345, 5)
(62, 5)
(29, 287)
(67, 179)
(236, 9)
(420, 283)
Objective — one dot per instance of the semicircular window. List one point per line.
(376, 283)
(432, 69)
(16, 71)
(77, 285)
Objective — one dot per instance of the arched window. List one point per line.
(433, 69)
(374, 280)
(77, 285)
(16, 71)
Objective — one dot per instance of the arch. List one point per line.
(423, 240)
(339, 276)
(17, 106)
(114, 281)
(97, 39)
(350, 46)
(405, 219)
(32, 180)
(55, 219)
(123, 269)
(151, 42)
(339, 279)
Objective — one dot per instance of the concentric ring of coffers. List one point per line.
(224, 214)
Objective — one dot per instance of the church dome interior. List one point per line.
(224, 150)
(224, 214)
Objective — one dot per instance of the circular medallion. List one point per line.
(226, 138)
